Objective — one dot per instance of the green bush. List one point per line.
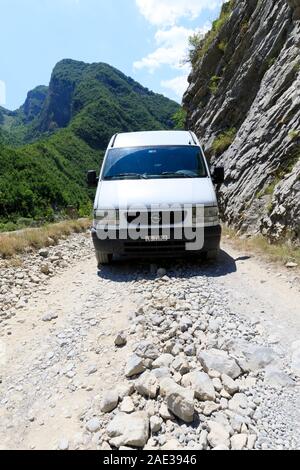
(223, 141)
(214, 84)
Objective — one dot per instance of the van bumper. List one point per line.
(172, 247)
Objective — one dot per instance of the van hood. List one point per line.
(128, 193)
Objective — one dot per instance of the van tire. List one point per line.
(212, 255)
(103, 258)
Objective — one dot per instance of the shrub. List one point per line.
(223, 141)
(214, 84)
(179, 119)
(222, 46)
(200, 45)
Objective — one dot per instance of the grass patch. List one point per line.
(270, 189)
(223, 141)
(14, 243)
(282, 252)
(296, 68)
(294, 134)
(285, 168)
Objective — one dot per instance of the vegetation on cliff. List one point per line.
(243, 102)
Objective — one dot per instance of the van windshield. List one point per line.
(154, 163)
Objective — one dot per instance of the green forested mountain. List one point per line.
(61, 131)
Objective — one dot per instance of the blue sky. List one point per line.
(145, 39)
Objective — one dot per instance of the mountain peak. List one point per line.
(97, 90)
(69, 125)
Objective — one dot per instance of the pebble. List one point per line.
(93, 425)
(63, 444)
(49, 317)
(120, 340)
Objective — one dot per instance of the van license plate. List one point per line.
(157, 238)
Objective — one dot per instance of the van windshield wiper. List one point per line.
(178, 174)
(126, 175)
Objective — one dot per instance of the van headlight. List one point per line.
(103, 218)
(210, 215)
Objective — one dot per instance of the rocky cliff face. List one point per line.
(34, 103)
(244, 103)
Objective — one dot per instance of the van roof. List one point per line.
(153, 138)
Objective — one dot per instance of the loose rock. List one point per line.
(219, 361)
(129, 430)
(121, 340)
(135, 366)
(179, 400)
(201, 384)
(110, 401)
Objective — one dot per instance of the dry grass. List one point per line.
(21, 241)
(282, 253)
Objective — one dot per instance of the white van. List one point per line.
(152, 181)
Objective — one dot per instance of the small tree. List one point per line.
(195, 43)
(179, 119)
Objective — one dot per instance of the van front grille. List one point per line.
(158, 218)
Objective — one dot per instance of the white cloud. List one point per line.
(172, 50)
(2, 93)
(165, 13)
(177, 85)
(171, 38)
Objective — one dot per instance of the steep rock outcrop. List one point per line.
(247, 85)
(101, 94)
(34, 103)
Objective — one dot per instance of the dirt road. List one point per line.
(58, 357)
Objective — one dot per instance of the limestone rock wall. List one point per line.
(255, 62)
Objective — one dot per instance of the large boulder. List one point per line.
(147, 385)
(251, 357)
(129, 430)
(220, 361)
(201, 384)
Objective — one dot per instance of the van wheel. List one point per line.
(212, 255)
(103, 258)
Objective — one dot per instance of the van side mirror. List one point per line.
(92, 179)
(218, 175)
